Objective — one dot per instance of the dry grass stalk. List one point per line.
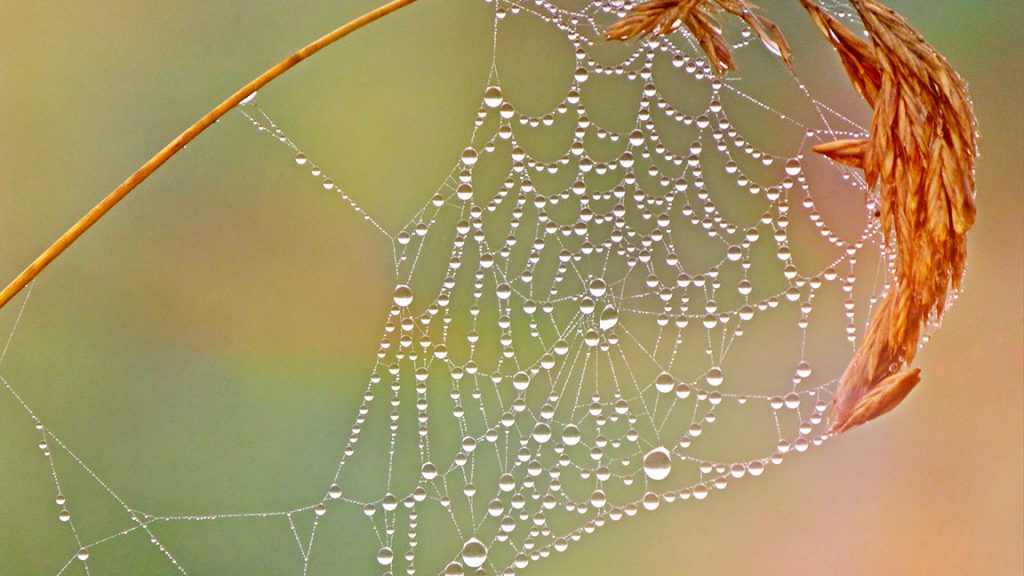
(920, 152)
(153, 164)
(701, 18)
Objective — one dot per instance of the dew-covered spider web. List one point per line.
(629, 298)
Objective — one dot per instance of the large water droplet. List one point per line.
(803, 369)
(561, 347)
(793, 167)
(503, 291)
(521, 381)
(385, 556)
(609, 318)
(587, 305)
(541, 432)
(664, 383)
(493, 97)
(571, 435)
(403, 295)
(738, 470)
(474, 553)
(658, 464)
(792, 400)
(428, 470)
(715, 376)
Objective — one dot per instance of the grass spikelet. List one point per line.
(920, 152)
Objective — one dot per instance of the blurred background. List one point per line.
(190, 347)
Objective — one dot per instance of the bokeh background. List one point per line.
(206, 343)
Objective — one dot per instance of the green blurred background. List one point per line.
(203, 347)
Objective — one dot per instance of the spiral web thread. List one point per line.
(573, 365)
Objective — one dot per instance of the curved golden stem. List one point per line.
(151, 165)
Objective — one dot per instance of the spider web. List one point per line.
(612, 305)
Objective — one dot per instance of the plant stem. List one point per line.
(140, 175)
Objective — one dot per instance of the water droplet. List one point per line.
(300, 159)
(521, 381)
(506, 483)
(658, 464)
(587, 305)
(609, 318)
(793, 167)
(469, 156)
(474, 553)
(597, 287)
(700, 492)
(83, 554)
(503, 291)
(334, 491)
(428, 470)
(803, 369)
(248, 99)
(755, 468)
(792, 400)
(561, 347)
(541, 432)
(571, 435)
(403, 295)
(664, 383)
(385, 556)
(493, 97)
(715, 376)
(734, 253)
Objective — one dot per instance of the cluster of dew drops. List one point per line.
(519, 496)
(412, 335)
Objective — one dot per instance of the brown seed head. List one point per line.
(920, 152)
